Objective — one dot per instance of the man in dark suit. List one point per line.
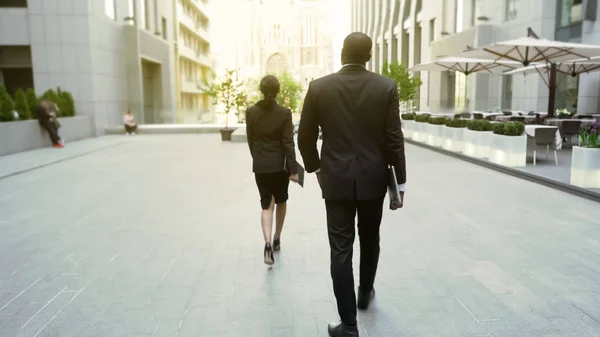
(358, 112)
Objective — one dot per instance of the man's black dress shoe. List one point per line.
(364, 299)
(342, 330)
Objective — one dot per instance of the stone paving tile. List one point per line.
(160, 236)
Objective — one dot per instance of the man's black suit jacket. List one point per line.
(270, 133)
(358, 112)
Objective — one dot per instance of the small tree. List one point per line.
(290, 93)
(21, 105)
(7, 106)
(32, 101)
(408, 86)
(229, 92)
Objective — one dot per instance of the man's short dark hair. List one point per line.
(357, 48)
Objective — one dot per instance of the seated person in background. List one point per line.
(47, 119)
(129, 121)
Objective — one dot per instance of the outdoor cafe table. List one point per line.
(530, 131)
(507, 118)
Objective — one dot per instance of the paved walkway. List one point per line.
(159, 236)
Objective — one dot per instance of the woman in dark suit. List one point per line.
(271, 140)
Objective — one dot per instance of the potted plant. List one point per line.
(408, 124)
(420, 132)
(477, 138)
(563, 113)
(7, 106)
(230, 93)
(435, 136)
(454, 135)
(585, 161)
(509, 144)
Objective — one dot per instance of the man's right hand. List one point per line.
(397, 204)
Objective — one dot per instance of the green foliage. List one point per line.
(479, 125)
(290, 92)
(229, 92)
(68, 108)
(408, 116)
(32, 101)
(408, 86)
(437, 120)
(456, 123)
(7, 106)
(423, 118)
(21, 105)
(509, 128)
(457, 116)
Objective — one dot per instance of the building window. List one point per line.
(569, 12)
(431, 32)
(164, 28)
(475, 8)
(458, 19)
(110, 9)
(144, 10)
(511, 10)
(13, 3)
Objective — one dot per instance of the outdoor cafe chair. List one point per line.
(545, 137)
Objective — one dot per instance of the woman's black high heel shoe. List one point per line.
(268, 254)
(276, 244)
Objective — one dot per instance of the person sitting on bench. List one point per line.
(129, 121)
(47, 119)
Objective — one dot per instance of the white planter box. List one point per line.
(408, 128)
(585, 167)
(435, 136)
(454, 139)
(477, 143)
(421, 131)
(510, 151)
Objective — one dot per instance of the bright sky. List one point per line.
(224, 30)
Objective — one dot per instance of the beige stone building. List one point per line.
(275, 36)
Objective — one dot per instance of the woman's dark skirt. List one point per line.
(272, 185)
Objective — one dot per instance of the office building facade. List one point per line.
(112, 55)
(416, 31)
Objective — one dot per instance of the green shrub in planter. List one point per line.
(21, 105)
(424, 118)
(437, 120)
(68, 108)
(456, 123)
(479, 125)
(408, 116)
(7, 106)
(509, 128)
(32, 101)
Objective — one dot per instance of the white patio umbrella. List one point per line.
(466, 65)
(531, 50)
(528, 50)
(569, 68)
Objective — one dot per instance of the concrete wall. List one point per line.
(29, 135)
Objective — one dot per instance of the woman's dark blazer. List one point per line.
(270, 134)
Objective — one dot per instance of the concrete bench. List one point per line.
(173, 128)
